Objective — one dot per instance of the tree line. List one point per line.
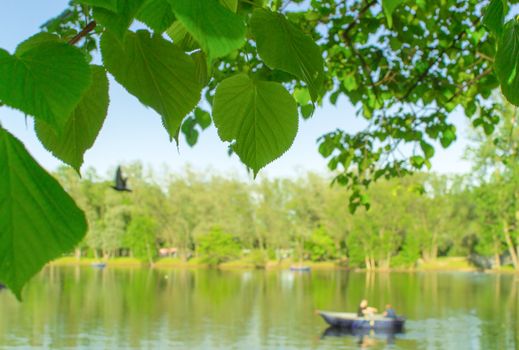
(218, 218)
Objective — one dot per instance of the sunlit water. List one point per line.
(87, 308)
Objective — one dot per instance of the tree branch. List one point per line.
(88, 28)
(471, 82)
(359, 16)
(426, 71)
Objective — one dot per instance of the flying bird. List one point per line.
(120, 181)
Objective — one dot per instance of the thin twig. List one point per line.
(359, 16)
(471, 82)
(431, 64)
(88, 28)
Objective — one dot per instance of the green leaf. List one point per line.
(44, 78)
(178, 33)
(350, 82)
(157, 15)
(260, 116)
(417, 161)
(230, 4)
(83, 125)
(307, 111)
(218, 30)
(495, 16)
(111, 5)
(302, 96)
(203, 118)
(427, 149)
(118, 22)
(155, 71)
(38, 219)
(284, 46)
(448, 136)
(189, 131)
(389, 7)
(36, 40)
(507, 61)
(200, 61)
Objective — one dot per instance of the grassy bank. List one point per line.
(447, 264)
(73, 261)
(441, 264)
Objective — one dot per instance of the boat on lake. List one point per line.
(300, 268)
(350, 320)
(98, 265)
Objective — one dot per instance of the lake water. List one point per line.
(86, 308)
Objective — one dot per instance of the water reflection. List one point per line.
(86, 308)
(364, 338)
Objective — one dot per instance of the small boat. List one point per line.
(98, 265)
(349, 320)
(300, 268)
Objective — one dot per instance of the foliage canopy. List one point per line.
(406, 65)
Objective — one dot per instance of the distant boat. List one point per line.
(98, 265)
(349, 320)
(300, 268)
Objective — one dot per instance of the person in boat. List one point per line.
(365, 310)
(390, 312)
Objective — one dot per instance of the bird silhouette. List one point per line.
(120, 181)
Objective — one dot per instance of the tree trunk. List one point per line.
(510, 245)
(434, 247)
(261, 244)
(368, 262)
(78, 253)
(148, 252)
(497, 259)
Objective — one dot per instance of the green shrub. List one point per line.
(140, 237)
(320, 246)
(217, 247)
(410, 252)
(258, 258)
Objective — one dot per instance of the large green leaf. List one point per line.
(119, 22)
(284, 46)
(260, 116)
(495, 16)
(83, 125)
(45, 78)
(36, 40)
(157, 15)
(201, 70)
(217, 29)
(230, 4)
(180, 36)
(38, 219)
(155, 71)
(389, 7)
(111, 5)
(507, 61)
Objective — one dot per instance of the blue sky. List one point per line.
(134, 132)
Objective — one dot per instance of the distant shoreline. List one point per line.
(172, 263)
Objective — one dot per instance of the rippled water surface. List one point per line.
(86, 308)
